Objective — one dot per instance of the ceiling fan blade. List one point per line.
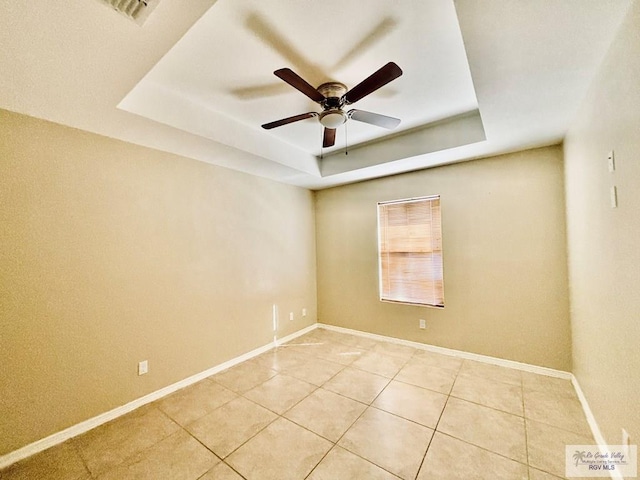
(386, 74)
(297, 82)
(329, 139)
(374, 119)
(285, 121)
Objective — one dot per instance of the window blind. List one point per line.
(410, 251)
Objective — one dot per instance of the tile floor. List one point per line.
(332, 406)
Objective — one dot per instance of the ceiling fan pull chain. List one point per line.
(321, 142)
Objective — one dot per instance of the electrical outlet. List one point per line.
(290, 315)
(143, 367)
(304, 312)
(423, 324)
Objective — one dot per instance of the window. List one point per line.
(410, 251)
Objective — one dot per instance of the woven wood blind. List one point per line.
(410, 251)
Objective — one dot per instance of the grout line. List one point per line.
(389, 380)
(550, 372)
(76, 448)
(485, 449)
(390, 413)
(465, 441)
(310, 357)
(237, 472)
(354, 453)
(184, 429)
(125, 461)
(497, 362)
(323, 457)
(489, 407)
(393, 378)
(366, 407)
(251, 437)
(221, 461)
(435, 429)
(370, 405)
(526, 432)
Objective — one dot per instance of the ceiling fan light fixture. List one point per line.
(332, 118)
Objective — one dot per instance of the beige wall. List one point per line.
(604, 243)
(111, 254)
(504, 258)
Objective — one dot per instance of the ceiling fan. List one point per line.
(334, 96)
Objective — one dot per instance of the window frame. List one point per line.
(381, 279)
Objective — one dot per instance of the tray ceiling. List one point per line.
(481, 77)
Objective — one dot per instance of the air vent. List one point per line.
(136, 10)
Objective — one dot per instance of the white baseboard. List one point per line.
(82, 427)
(595, 430)
(550, 372)
(593, 424)
(91, 423)
(591, 420)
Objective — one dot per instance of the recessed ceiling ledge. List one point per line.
(166, 106)
(456, 131)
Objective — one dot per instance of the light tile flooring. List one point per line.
(332, 406)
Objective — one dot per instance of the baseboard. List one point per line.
(94, 422)
(595, 429)
(82, 427)
(593, 424)
(550, 372)
(591, 420)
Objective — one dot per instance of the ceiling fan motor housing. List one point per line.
(333, 93)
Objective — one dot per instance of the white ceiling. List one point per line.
(481, 77)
